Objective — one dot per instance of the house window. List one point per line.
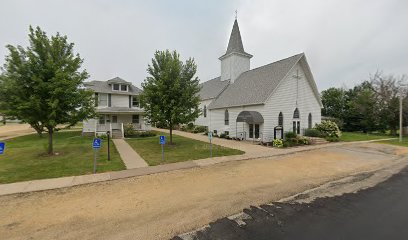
(123, 88)
(102, 119)
(103, 99)
(280, 119)
(115, 87)
(205, 111)
(296, 113)
(135, 101)
(226, 117)
(309, 120)
(135, 118)
(109, 100)
(114, 119)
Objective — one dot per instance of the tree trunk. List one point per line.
(50, 146)
(171, 134)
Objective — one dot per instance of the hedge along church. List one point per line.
(251, 103)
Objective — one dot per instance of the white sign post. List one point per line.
(210, 138)
(96, 145)
(162, 142)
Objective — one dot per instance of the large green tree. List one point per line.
(334, 102)
(42, 84)
(170, 92)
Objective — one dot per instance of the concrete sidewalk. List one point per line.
(129, 155)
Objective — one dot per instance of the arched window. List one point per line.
(309, 120)
(280, 119)
(296, 113)
(205, 111)
(226, 117)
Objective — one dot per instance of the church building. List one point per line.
(259, 104)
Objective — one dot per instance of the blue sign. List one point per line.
(2, 147)
(96, 143)
(162, 140)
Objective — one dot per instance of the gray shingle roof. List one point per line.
(117, 80)
(106, 87)
(235, 42)
(256, 85)
(212, 88)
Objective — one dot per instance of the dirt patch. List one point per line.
(163, 205)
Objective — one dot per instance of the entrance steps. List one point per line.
(317, 140)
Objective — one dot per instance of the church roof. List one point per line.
(212, 88)
(235, 42)
(256, 85)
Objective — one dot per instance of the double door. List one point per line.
(296, 126)
(253, 130)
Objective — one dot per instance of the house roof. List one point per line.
(118, 80)
(106, 86)
(212, 88)
(255, 86)
(235, 42)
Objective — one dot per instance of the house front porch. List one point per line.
(114, 123)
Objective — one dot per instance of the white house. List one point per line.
(117, 103)
(251, 103)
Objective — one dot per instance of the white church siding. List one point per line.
(232, 66)
(283, 99)
(201, 120)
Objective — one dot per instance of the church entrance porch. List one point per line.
(252, 123)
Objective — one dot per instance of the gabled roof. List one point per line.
(118, 80)
(255, 86)
(235, 42)
(212, 88)
(106, 87)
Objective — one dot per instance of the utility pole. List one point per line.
(400, 118)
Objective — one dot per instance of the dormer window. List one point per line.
(119, 87)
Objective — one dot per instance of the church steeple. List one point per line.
(235, 60)
(235, 42)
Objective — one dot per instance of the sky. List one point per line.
(344, 40)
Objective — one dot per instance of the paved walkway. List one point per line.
(128, 155)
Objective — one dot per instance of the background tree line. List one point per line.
(372, 105)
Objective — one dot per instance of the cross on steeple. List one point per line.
(236, 14)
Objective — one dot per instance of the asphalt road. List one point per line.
(380, 212)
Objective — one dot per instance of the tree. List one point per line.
(334, 102)
(170, 93)
(42, 84)
(388, 90)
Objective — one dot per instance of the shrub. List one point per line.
(190, 126)
(200, 129)
(277, 143)
(312, 132)
(223, 135)
(129, 130)
(141, 134)
(328, 129)
(103, 136)
(290, 135)
(303, 141)
(332, 139)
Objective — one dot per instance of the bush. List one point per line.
(277, 143)
(129, 130)
(223, 135)
(332, 139)
(141, 134)
(200, 129)
(312, 132)
(303, 141)
(290, 135)
(328, 129)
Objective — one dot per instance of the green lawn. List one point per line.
(359, 136)
(184, 149)
(24, 157)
